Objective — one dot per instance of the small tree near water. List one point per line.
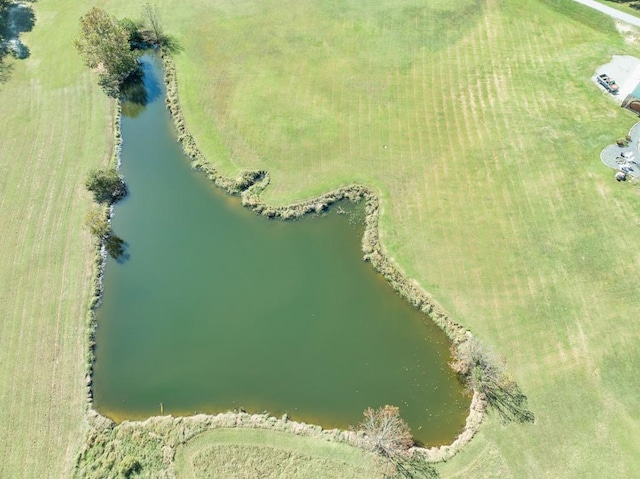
(387, 433)
(99, 227)
(153, 22)
(152, 29)
(389, 436)
(106, 185)
(483, 372)
(104, 46)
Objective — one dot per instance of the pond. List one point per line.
(217, 308)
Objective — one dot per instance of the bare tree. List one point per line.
(387, 433)
(153, 22)
(389, 436)
(483, 372)
(477, 364)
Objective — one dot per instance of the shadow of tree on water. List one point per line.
(138, 90)
(116, 247)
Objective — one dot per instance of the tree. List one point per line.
(477, 365)
(133, 28)
(99, 226)
(153, 31)
(386, 431)
(389, 436)
(106, 185)
(4, 5)
(483, 372)
(15, 18)
(104, 46)
(152, 21)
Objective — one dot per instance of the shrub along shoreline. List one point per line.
(163, 434)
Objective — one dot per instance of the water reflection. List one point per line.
(140, 89)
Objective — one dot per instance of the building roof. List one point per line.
(636, 91)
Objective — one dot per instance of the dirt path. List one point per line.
(612, 12)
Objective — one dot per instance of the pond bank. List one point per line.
(248, 186)
(99, 260)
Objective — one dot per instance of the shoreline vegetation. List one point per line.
(163, 434)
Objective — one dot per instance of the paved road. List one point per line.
(612, 12)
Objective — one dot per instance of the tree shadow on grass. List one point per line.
(510, 403)
(413, 468)
(5, 71)
(21, 19)
(482, 371)
(18, 18)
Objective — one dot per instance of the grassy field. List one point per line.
(54, 126)
(258, 453)
(475, 121)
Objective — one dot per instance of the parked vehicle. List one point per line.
(608, 83)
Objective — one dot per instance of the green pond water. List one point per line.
(217, 308)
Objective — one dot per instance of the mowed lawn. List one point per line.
(54, 126)
(475, 121)
(256, 453)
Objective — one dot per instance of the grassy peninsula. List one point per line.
(474, 121)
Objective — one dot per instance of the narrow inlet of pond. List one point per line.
(217, 308)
